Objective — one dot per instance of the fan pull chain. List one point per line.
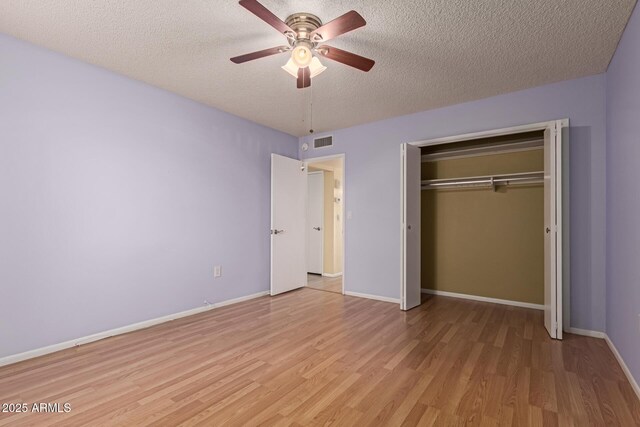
(311, 108)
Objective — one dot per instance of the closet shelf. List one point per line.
(489, 181)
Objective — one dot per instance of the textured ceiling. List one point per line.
(429, 53)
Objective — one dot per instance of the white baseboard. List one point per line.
(625, 368)
(375, 297)
(332, 275)
(483, 299)
(7, 360)
(585, 332)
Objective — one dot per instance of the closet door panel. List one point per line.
(550, 282)
(411, 292)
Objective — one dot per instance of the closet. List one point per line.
(482, 219)
(485, 216)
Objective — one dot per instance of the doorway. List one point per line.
(484, 218)
(325, 231)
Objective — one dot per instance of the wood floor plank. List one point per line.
(314, 358)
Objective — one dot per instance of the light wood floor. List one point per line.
(329, 284)
(317, 358)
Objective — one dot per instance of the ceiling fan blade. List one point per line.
(265, 14)
(347, 58)
(304, 77)
(343, 24)
(259, 54)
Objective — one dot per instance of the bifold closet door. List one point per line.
(410, 292)
(553, 230)
(288, 224)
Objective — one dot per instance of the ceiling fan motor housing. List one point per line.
(303, 24)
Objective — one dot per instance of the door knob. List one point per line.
(316, 228)
(547, 230)
(277, 231)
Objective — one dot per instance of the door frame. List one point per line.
(309, 161)
(321, 216)
(563, 278)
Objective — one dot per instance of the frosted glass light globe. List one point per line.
(301, 56)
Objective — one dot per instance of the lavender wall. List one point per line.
(373, 180)
(117, 199)
(623, 199)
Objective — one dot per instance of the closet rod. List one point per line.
(485, 181)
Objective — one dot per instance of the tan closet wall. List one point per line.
(480, 242)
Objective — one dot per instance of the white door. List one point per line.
(315, 222)
(411, 287)
(553, 230)
(288, 223)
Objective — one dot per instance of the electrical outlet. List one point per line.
(217, 271)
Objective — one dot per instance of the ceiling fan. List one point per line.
(305, 33)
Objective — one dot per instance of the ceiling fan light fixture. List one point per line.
(291, 68)
(302, 55)
(316, 67)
